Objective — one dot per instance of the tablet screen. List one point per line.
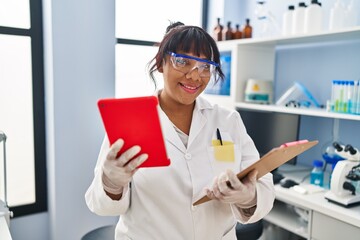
(136, 121)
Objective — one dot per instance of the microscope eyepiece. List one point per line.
(351, 149)
(337, 146)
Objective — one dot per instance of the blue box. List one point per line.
(221, 87)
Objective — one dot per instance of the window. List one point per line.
(136, 38)
(22, 106)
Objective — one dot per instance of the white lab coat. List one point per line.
(158, 203)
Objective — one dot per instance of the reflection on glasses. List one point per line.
(185, 64)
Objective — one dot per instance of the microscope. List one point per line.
(345, 178)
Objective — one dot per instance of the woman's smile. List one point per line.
(189, 88)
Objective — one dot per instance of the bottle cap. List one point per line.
(318, 163)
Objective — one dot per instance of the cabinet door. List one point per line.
(327, 228)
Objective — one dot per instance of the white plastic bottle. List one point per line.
(313, 18)
(288, 21)
(351, 15)
(299, 19)
(337, 16)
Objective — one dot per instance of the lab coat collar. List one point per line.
(198, 119)
(169, 131)
(198, 122)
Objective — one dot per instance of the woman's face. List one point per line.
(184, 78)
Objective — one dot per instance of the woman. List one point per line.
(207, 146)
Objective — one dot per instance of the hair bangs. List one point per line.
(191, 40)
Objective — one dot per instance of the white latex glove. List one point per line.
(242, 193)
(118, 172)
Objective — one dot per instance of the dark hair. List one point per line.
(180, 37)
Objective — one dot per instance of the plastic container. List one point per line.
(297, 92)
(317, 173)
(351, 15)
(344, 96)
(354, 98)
(288, 21)
(299, 19)
(337, 16)
(350, 96)
(335, 96)
(313, 18)
(356, 106)
(258, 91)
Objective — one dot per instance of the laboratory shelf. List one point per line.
(248, 54)
(351, 33)
(299, 111)
(284, 216)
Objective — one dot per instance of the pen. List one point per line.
(219, 136)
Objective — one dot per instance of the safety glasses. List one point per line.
(185, 64)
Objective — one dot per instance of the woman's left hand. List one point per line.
(227, 188)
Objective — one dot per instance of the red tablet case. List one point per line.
(136, 121)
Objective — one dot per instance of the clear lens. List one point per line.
(186, 65)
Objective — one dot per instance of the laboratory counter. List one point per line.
(309, 214)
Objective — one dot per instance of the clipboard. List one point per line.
(272, 160)
(135, 120)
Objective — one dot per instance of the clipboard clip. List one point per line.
(288, 144)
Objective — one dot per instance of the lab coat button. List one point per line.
(187, 156)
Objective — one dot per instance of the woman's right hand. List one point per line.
(118, 172)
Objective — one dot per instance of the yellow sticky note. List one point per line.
(225, 152)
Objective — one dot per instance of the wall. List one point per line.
(80, 68)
